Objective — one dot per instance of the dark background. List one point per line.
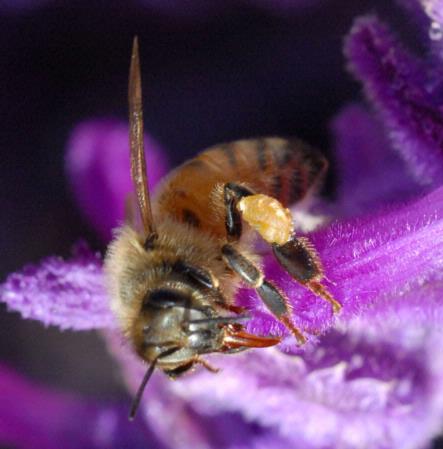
(219, 74)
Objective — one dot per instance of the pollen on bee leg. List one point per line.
(268, 217)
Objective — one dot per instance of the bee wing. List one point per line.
(138, 162)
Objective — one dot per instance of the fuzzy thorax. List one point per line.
(132, 271)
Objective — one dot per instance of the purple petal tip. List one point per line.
(398, 85)
(66, 293)
(98, 167)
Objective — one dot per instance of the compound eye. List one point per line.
(163, 298)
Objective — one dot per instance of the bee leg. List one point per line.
(199, 275)
(206, 364)
(238, 310)
(274, 223)
(299, 258)
(177, 372)
(232, 194)
(274, 300)
(182, 369)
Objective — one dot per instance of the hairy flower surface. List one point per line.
(371, 377)
(403, 91)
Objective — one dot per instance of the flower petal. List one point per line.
(35, 417)
(355, 389)
(429, 13)
(69, 294)
(359, 387)
(398, 85)
(369, 172)
(372, 262)
(97, 163)
(164, 410)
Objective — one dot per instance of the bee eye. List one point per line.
(163, 298)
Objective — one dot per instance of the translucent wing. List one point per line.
(138, 162)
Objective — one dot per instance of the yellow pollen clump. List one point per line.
(268, 217)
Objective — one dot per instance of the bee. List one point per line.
(173, 273)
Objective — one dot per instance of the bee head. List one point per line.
(170, 319)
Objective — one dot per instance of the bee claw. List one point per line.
(320, 290)
(207, 365)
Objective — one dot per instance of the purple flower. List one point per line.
(405, 93)
(67, 421)
(97, 165)
(371, 377)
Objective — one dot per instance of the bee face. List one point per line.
(171, 318)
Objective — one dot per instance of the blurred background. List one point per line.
(212, 71)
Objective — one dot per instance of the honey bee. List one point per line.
(173, 274)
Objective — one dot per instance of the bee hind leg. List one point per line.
(300, 260)
(274, 224)
(274, 300)
(296, 255)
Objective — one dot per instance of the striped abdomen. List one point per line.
(284, 169)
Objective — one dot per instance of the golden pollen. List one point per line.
(268, 217)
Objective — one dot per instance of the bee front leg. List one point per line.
(206, 365)
(274, 300)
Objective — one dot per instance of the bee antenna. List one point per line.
(136, 401)
(141, 389)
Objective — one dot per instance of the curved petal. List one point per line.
(362, 386)
(371, 263)
(429, 14)
(64, 293)
(164, 410)
(32, 417)
(369, 173)
(97, 164)
(399, 86)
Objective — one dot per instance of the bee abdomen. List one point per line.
(285, 169)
